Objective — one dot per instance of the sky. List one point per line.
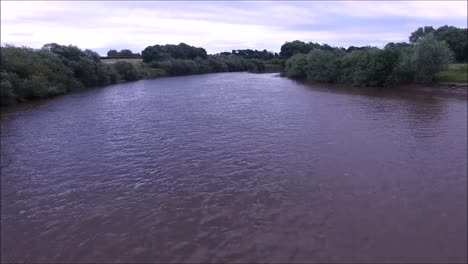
(220, 26)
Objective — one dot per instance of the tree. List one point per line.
(289, 49)
(182, 51)
(420, 32)
(126, 53)
(112, 53)
(457, 40)
(430, 56)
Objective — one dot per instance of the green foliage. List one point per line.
(112, 53)
(182, 51)
(217, 65)
(404, 69)
(289, 49)
(255, 65)
(126, 71)
(420, 32)
(323, 66)
(125, 53)
(430, 57)
(7, 93)
(53, 70)
(57, 69)
(456, 39)
(148, 72)
(395, 64)
(35, 86)
(235, 63)
(252, 54)
(175, 67)
(362, 67)
(296, 66)
(84, 64)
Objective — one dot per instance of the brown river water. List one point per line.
(235, 167)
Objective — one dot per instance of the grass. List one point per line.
(456, 73)
(131, 60)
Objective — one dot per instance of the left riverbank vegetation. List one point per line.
(28, 74)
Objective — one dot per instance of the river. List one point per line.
(234, 167)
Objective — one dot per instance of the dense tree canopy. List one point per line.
(182, 51)
(52, 70)
(289, 49)
(127, 71)
(395, 64)
(323, 65)
(184, 59)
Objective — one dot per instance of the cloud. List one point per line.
(219, 26)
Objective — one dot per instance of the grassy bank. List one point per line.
(456, 73)
(130, 60)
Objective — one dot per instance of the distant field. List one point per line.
(456, 73)
(131, 60)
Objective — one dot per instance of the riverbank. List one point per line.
(452, 90)
(445, 90)
(455, 90)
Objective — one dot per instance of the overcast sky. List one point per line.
(220, 26)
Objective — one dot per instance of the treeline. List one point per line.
(54, 69)
(456, 39)
(251, 54)
(125, 53)
(183, 59)
(397, 63)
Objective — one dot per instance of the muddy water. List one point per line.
(234, 167)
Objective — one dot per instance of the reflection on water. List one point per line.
(235, 167)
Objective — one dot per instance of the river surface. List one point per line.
(235, 167)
